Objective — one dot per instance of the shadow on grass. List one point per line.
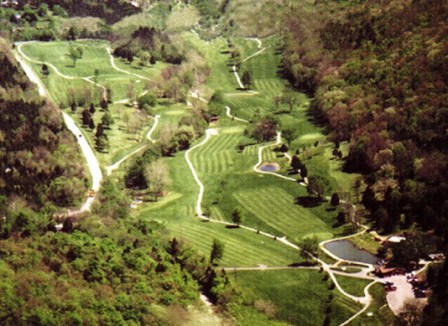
(232, 226)
(303, 264)
(308, 201)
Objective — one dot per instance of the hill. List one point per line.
(37, 157)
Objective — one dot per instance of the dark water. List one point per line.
(268, 167)
(345, 249)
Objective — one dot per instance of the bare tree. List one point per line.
(157, 177)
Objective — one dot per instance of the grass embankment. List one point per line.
(298, 297)
(367, 242)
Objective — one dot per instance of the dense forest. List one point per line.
(36, 158)
(109, 269)
(378, 71)
(111, 10)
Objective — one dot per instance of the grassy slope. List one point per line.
(352, 285)
(95, 56)
(298, 295)
(268, 202)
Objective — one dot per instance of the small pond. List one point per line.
(269, 167)
(345, 249)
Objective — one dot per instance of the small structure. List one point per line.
(383, 271)
(437, 257)
(396, 239)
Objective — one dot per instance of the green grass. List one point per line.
(95, 56)
(299, 296)
(268, 202)
(121, 141)
(351, 285)
(366, 242)
(177, 212)
(183, 18)
(381, 313)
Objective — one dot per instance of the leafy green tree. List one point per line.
(340, 219)
(59, 11)
(86, 117)
(144, 57)
(317, 186)
(92, 108)
(265, 129)
(289, 97)
(217, 251)
(288, 134)
(334, 201)
(296, 164)
(304, 172)
(157, 177)
(104, 104)
(99, 130)
(247, 79)
(75, 53)
(45, 70)
(149, 99)
(102, 143)
(107, 120)
(42, 10)
(91, 123)
(309, 246)
(237, 216)
(72, 33)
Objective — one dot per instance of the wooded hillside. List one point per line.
(379, 74)
(110, 10)
(39, 158)
(378, 70)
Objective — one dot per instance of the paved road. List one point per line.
(87, 151)
(229, 114)
(208, 133)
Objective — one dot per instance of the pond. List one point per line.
(345, 249)
(269, 167)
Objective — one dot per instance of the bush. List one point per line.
(147, 100)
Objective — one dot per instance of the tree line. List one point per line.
(377, 70)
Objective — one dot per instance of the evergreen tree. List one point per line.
(86, 117)
(296, 164)
(92, 108)
(107, 120)
(247, 79)
(217, 251)
(334, 199)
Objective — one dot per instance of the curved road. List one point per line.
(87, 151)
(112, 62)
(229, 114)
(208, 133)
(117, 164)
